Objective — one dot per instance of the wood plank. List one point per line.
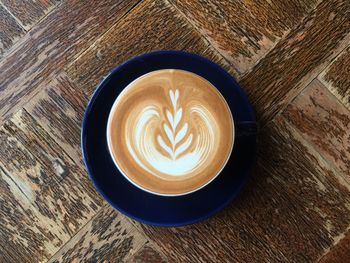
(298, 58)
(29, 154)
(152, 25)
(203, 48)
(340, 252)
(23, 129)
(336, 77)
(244, 31)
(10, 30)
(314, 185)
(325, 123)
(60, 37)
(147, 254)
(29, 12)
(59, 109)
(108, 237)
(293, 210)
(66, 180)
(23, 237)
(70, 204)
(18, 160)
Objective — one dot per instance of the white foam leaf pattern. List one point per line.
(164, 146)
(174, 158)
(174, 121)
(169, 133)
(183, 147)
(177, 118)
(181, 134)
(170, 118)
(172, 98)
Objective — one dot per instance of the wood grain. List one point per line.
(10, 30)
(61, 37)
(59, 109)
(147, 254)
(340, 253)
(243, 31)
(202, 48)
(108, 237)
(30, 136)
(152, 25)
(336, 77)
(19, 161)
(298, 58)
(29, 12)
(70, 204)
(23, 236)
(37, 166)
(307, 178)
(293, 210)
(325, 123)
(72, 193)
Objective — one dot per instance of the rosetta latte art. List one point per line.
(176, 151)
(170, 132)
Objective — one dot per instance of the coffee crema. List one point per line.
(170, 132)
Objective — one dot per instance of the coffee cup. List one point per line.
(170, 132)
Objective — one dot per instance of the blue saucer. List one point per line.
(159, 210)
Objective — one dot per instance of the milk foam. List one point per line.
(177, 158)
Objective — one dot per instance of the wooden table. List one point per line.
(291, 57)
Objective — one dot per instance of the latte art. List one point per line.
(170, 132)
(175, 156)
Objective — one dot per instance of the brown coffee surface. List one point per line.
(170, 132)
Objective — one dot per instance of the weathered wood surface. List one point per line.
(325, 123)
(60, 194)
(298, 58)
(293, 210)
(108, 237)
(24, 237)
(10, 30)
(52, 43)
(59, 109)
(152, 25)
(243, 31)
(336, 77)
(29, 12)
(339, 253)
(291, 57)
(147, 254)
(18, 160)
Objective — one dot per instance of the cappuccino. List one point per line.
(170, 132)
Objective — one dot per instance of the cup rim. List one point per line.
(115, 103)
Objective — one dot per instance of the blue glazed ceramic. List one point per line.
(163, 210)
